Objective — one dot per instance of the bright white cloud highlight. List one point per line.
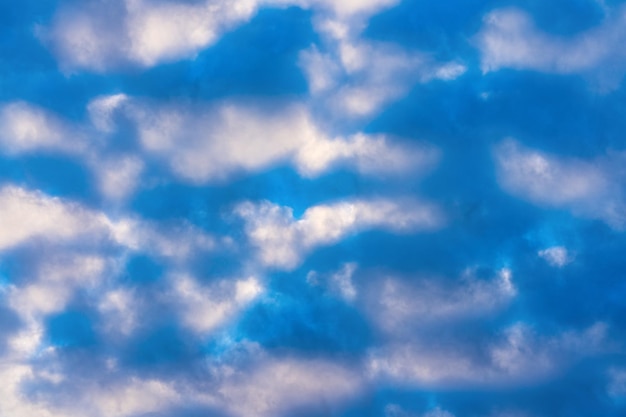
(517, 356)
(100, 35)
(357, 78)
(275, 387)
(102, 109)
(557, 256)
(26, 215)
(282, 241)
(206, 308)
(104, 35)
(587, 188)
(228, 138)
(509, 39)
(399, 305)
(26, 128)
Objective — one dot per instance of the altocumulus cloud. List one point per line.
(259, 208)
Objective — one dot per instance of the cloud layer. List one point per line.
(259, 208)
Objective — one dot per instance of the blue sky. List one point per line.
(266, 208)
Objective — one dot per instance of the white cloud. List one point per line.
(343, 9)
(394, 410)
(338, 282)
(55, 282)
(357, 78)
(31, 215)
(283, 241)
(396, 306)
(227, 138)
(135, 397)
(588, 188)
(342, 281)
(517, 356)
(176, 241)
(205, 308)
(118, 309)
(616, 386)
(509, 39)
(557, 256)
(105, 35)
(121, 399)
(278, 386)
(26, 128)
(102, 109)
(101, 35)
(118, 177)
(26, 215)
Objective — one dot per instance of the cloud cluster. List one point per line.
(517, 356)
(509, 39)
(282, 241)
(227, 138)
(105, 35)
(111, 304)
(357, 78)
(587, 188)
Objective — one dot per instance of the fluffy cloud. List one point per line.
(357, 78)
(556, 256)
(25, 128)
(26, 215)
(517, 356)
(616, 387)
(118, 177)
(587, 188)
(208, 144)
(120, 398)
(283, 241)
(394, 410)
(100, 35)
(31, 215)
(204, 309)
(397, 306)
(226, 138)
(104, 35)
(29, 129)
(509, 39)
(277, 386)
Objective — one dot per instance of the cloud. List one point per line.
(338, 282)
(587, 188)
(616, 388)
(517, 356)
(398, 306)
(509, 39)
(131, 397)
(26, 215)
(357, 78)
(102, 35)
(282, 241)
(205, 308)
(55, 281)
(557, 256)
(276, 386)
(118, 177)
(29, 129)
(228, 138)
(102, 109)
(394, 410)
(348, 8)
(25, 128)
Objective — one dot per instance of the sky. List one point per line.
(312, 208)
